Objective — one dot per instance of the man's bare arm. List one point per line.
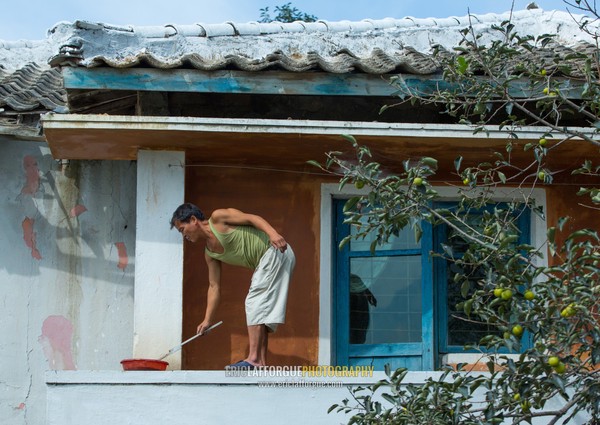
(213, 295)
(233, 217)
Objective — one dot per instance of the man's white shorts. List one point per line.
(267, 298)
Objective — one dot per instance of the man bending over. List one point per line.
(247, 240)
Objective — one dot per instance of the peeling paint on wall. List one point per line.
(29, 237)
(123, 259)
(56, 338)
(77, 210)
(32, 175)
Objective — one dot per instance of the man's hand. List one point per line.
(202, 327)
(278, 242)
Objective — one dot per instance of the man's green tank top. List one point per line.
(244, 246)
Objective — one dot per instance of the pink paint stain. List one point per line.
(77, 210)
(123, 259)
(32, 175)
(57, 333)
(29, 237)
(21, 406)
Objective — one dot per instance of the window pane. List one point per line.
(461, 329)
(385, 300)
(405, 240)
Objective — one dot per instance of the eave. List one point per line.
(285, 144)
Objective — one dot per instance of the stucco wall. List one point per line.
(563, 201)
(290, 202)
(67, 243)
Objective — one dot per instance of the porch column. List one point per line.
(157, 321)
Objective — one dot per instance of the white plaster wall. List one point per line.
(64, 301)
(207, 398)
(159, 256)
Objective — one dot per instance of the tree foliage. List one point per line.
(547, 292)
(285, 13)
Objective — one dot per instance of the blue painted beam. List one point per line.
(277, 82)
(268, 82)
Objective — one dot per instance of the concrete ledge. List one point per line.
(216, 377)
(212, 397)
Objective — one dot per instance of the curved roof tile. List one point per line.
(33, 87)
(370, 46)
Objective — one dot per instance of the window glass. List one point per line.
(405, 240)
(461, 330)
(385, 300)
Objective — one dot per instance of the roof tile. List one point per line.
(33, 87)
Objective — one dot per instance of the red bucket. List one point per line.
(144, 364)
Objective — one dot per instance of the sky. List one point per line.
(31, 19)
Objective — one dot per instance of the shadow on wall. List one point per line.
(78, 218)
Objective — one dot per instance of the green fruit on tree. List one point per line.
(517, 330)
(553, 361)
(526, 405)
(498, 292)
(529, 295)
(507, 294)
(546, 90)
(543, 141)
(506, 335)
(466, 181)
(488, 231)
(561, 368)
(517, 397)
(542, 175)
(359, 184)
(543, 72)
(417, 181)
(568, 311)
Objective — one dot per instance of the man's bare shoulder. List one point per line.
(223, 215)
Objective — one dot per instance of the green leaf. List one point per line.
(464, 288)
(551, 233)
(457, 163)
(350, 138)
(389, 398)
(468, 307)
(561, 222)
(430, 162)
(502, 177)
(315, 163)
(418, 233)
(351, 203)
(558, 382)
(461, 65)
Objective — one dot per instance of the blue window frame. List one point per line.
(384, 301)
(395, 306)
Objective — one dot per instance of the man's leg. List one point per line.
(258, 341)
(265, 347)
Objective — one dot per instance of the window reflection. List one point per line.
(405, 240)
(361, 298)
(385, 300)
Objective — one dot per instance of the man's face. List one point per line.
(189, 230)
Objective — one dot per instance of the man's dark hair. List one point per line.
(185, 212)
